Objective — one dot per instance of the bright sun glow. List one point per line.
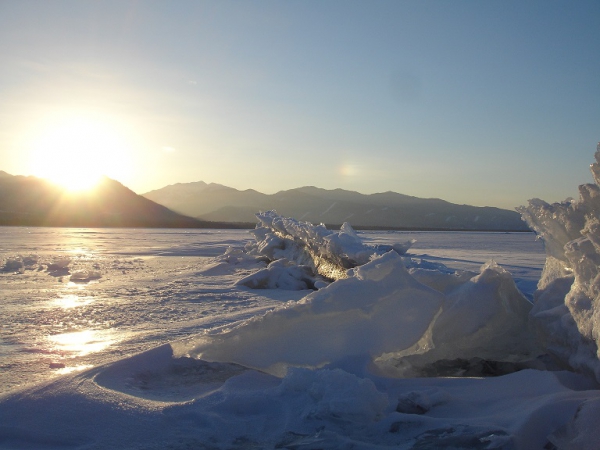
(348, 170)
(77, 151)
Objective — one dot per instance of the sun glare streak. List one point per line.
(77, 151)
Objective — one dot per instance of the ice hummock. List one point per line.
(379, 309)
(484, 317)
(567, 304)
(327, 252)
(397, 315)
(283, 274)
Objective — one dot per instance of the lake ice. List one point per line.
(146, 339)
(160, 285)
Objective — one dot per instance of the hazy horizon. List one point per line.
(486, 104)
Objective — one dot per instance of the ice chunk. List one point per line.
(379, 309)
(443, 281)
(18, 263)
(281, 274)
(234, 259)
(59, 266)
(13, 265)
(85, 275)
(481, 311)
(567, 311)
(483, 317)
(59, 263)
(30, 260)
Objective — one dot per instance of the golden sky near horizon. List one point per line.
(487, 104)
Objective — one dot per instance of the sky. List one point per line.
(488, 103)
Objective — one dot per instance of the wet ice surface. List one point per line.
(143, 290)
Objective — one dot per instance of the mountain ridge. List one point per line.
(334, 206)
(32, 201)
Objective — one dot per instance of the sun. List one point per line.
(77, 151)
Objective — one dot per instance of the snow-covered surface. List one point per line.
(110, 360)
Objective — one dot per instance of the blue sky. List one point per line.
(483, 103)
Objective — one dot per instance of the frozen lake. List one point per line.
(144, 339)
(152, 286)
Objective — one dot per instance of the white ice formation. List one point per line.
(327, 252)
(283, 274)
(567, 304)
(379, 310)
(484, 316)
(396, 315)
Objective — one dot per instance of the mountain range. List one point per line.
(31, 201)
(215, 202)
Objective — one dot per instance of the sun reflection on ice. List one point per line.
(83, 252)
(78, 368)
(72, 301)
(80, 343)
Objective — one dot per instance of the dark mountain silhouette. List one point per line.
(31, 201)
(383, 210)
